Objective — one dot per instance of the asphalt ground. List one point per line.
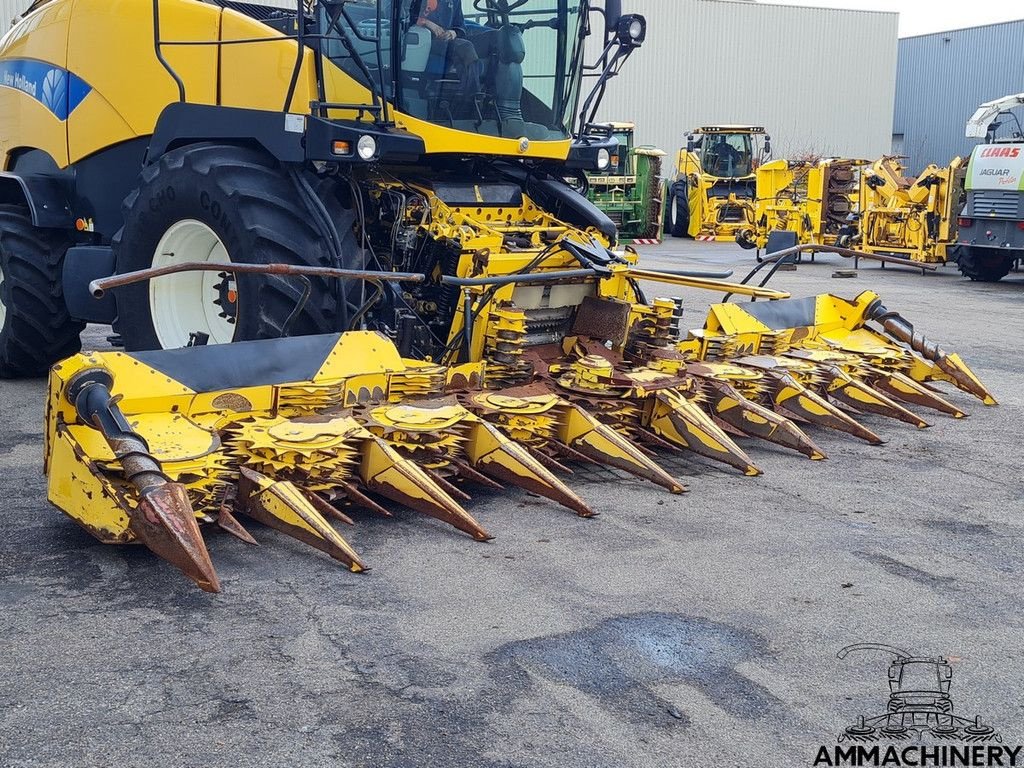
(671, 630)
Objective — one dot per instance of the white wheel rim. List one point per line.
(184, 303)
(3, 306)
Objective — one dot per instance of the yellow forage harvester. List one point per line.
(297, 434)
(354, 269)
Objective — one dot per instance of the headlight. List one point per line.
(367, 147)
(632, 30)
(604, 159)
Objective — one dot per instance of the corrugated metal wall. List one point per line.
(9, 9)
(820, 80)
(941, 80)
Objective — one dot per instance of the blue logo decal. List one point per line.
(55, 88)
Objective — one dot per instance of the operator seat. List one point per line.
(510, 51)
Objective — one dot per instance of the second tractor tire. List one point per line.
(35, 328)
(255, 210)
(678, 210)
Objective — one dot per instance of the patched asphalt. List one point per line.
(671, 630)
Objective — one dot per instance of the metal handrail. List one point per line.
(301, 38)
(101, 285)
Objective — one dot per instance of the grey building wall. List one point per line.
(941, 80)
(820, 80)
(9, 9)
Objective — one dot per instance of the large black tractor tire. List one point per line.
(984, 265)
(677, 210)
(35, 328)
(255, 210)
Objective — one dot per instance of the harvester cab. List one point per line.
(915, 683)
(991, 224)
(714, 187)
(369, 201)
(630, 192)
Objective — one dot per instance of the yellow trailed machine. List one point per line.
(856, 203)
(816, 199)
(915, 218)
(346, 271)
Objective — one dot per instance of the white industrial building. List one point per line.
(821, 81)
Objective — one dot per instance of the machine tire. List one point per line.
(984, 265)
(35, 330)
(255, 211)
(678, 210)
(745, 239)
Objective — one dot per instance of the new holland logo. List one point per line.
(55, 88)
(919, 726)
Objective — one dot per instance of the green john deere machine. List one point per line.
(630, 191)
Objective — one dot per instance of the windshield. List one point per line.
(727, 155)
(621, 160)
(1006, 128)
(508, 68)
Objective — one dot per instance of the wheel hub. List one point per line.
(192, 303)
(3, 306)
(227, 297)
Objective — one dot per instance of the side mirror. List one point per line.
(691, 143)
(767, 146)
(612, 14)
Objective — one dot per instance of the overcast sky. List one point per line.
(919, 17)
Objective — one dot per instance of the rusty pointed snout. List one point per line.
(165, 522)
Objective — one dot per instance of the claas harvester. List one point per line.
(346, 272)
(990, 239)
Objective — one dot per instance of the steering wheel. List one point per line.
(371, 24)
(503, 8)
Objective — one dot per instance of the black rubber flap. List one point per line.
(243, 363)
(785, 313)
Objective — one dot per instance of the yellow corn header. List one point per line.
(297, 434)
(815, 199)
(911, 217)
